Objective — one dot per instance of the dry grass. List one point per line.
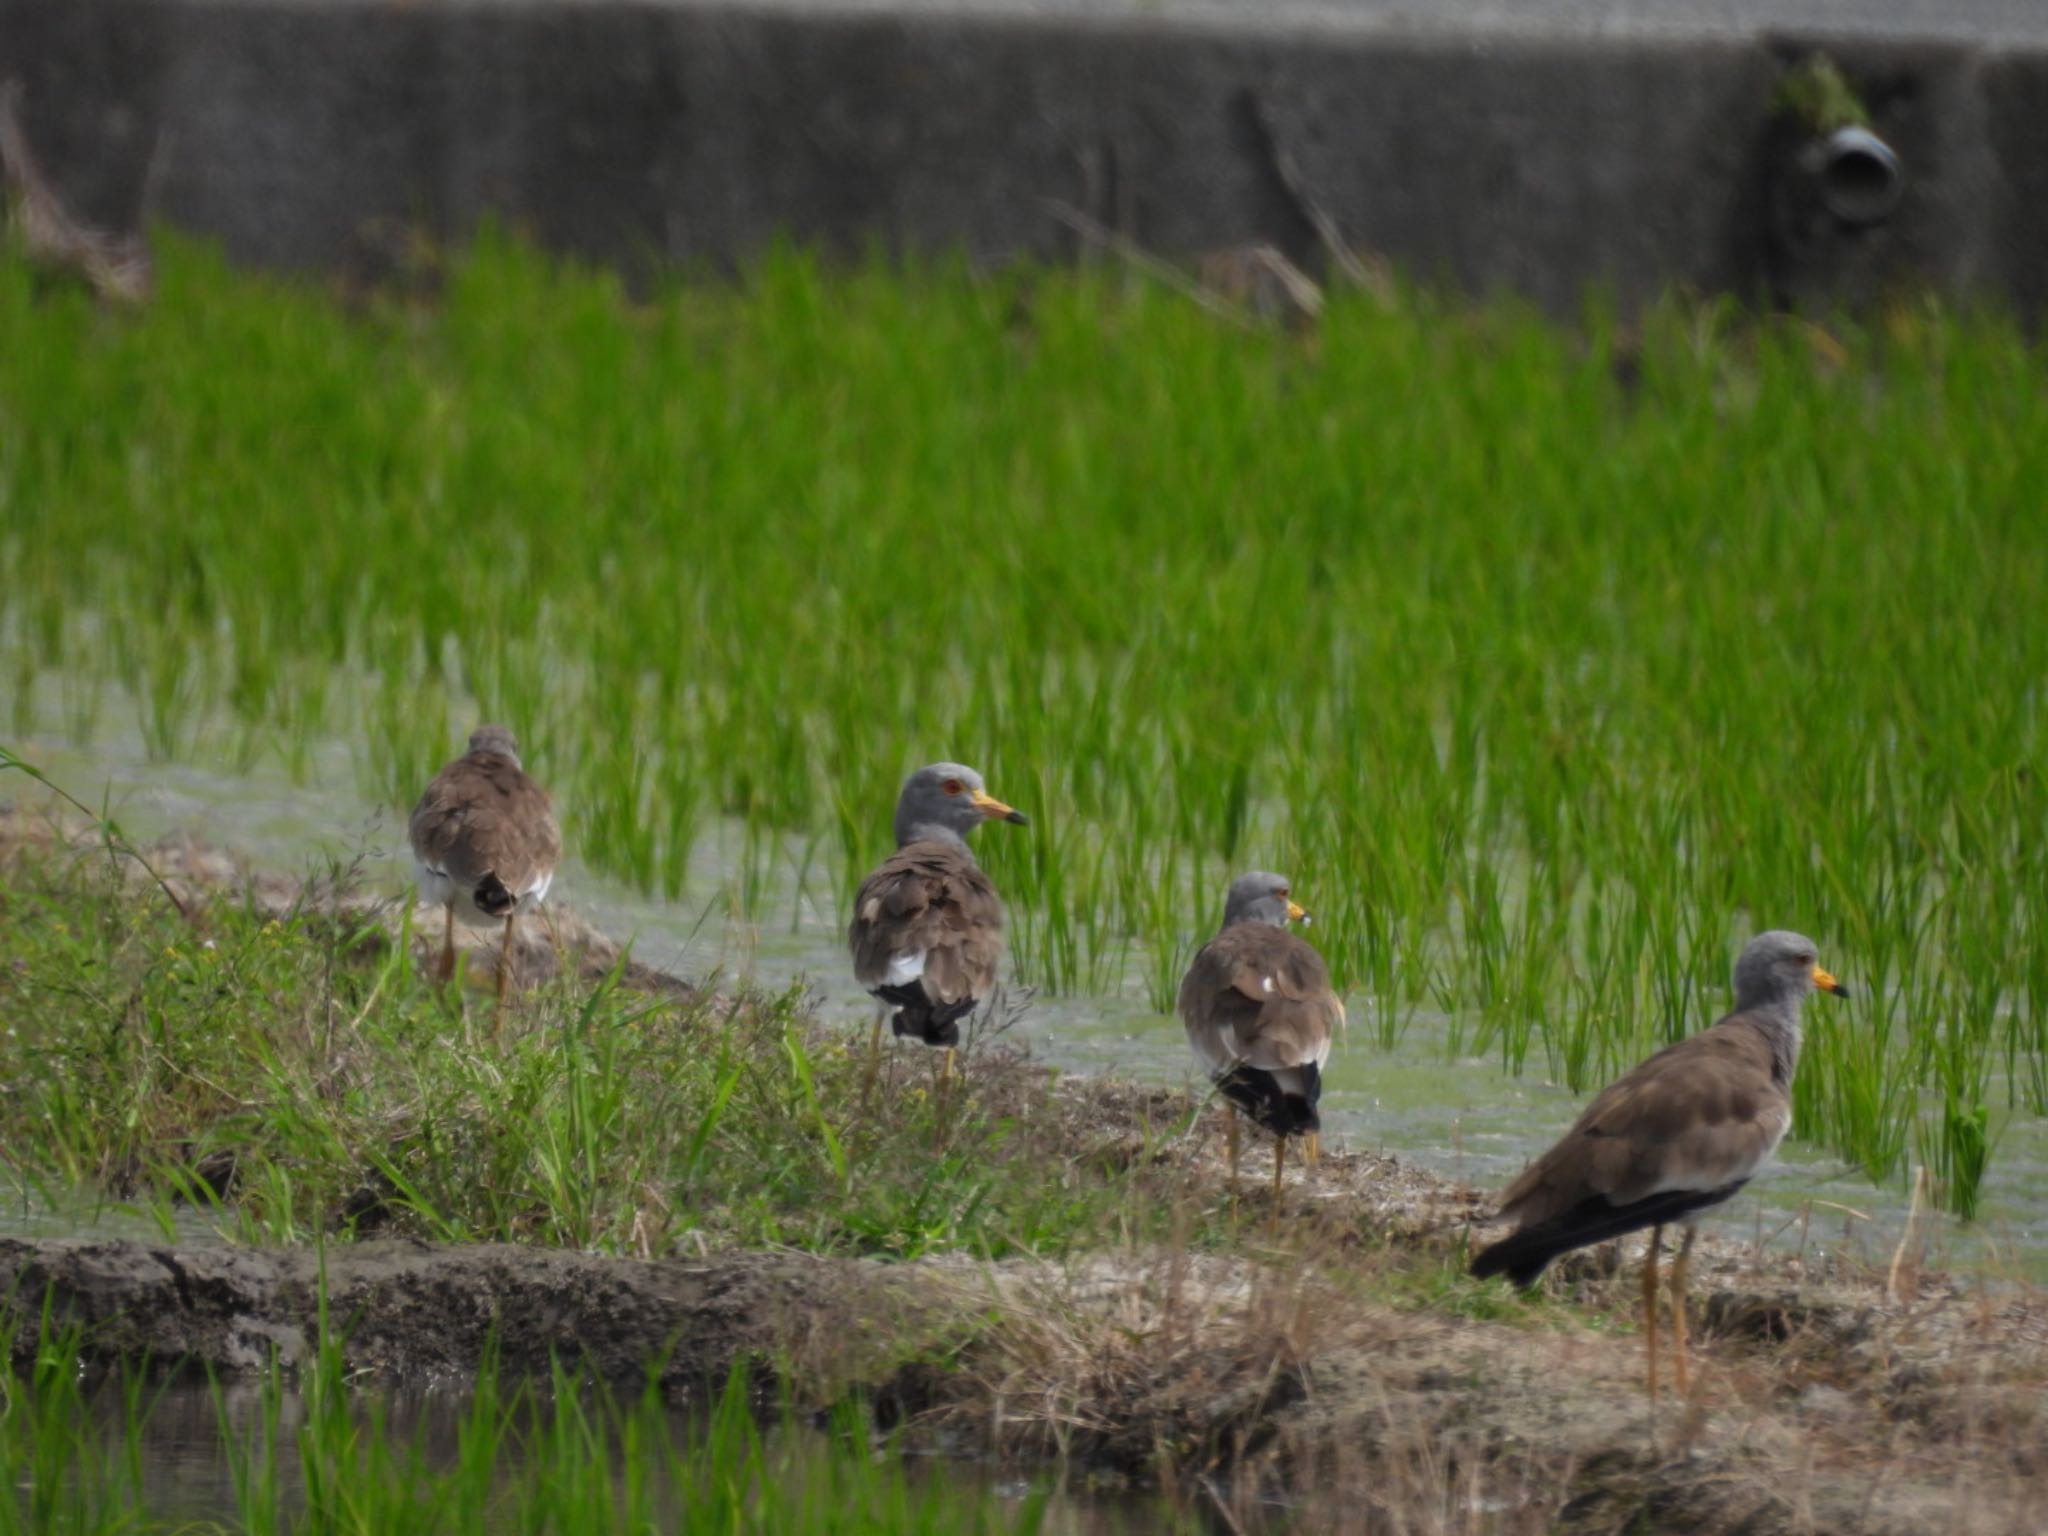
(1319, 1376)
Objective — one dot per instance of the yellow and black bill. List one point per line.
(995, 810)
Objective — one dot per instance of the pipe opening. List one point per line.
(1861, 180)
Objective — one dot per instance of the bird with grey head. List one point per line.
(485, 845)
(945, 802)
(1262, 897)
(1682, 1133)
(1260, 1015)
(927, 925)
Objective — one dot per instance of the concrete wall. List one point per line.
(1542, 161)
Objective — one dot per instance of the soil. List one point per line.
(1332, 1361)
(1817, 1407)
(420, 1313)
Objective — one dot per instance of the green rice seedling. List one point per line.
(568, 1455)
(1552, 660)
(1958, 1148)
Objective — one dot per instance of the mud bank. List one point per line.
(417, 1313)
(1329, 1352)
(1818, 1408)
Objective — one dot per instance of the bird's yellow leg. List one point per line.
(946, 1067)
(1231, 1139)
(504, 970)
(1679, 1269)
(867, 1080)
(1279, 1167)
(1312, 1148)
(1650, 1309)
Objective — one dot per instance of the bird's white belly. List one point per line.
(437, 889)
(904, 968)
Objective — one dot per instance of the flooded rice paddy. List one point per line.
(194, 1432)
(1462, 1117)
(185, 1454)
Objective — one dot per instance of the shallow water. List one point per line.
(191, 1435)
(1464, 1118)
(28, 1212)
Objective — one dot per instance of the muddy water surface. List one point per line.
(195, 1435)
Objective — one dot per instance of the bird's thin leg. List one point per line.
(446, 968)
(946, 1068)
(874, 1049)
(1312, 1148)
(1279, 1167)
(505, 968)
(1650, 1309)
(1678, 1327)
(547, 917)
(1231, 1140)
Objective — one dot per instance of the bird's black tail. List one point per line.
(1259, 1094)
(492, 897)
(1525, 1255)
(919, 1017)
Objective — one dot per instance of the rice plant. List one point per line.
(1551, 659)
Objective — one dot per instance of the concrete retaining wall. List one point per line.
(1541, 161)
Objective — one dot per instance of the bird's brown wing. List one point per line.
(483, 816)
(1257, 994)
(1699, 1115)
(932, 901)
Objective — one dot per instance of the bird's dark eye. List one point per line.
(1284, 891)
(1809, 959)
(952, 786)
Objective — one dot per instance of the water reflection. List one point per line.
(198, 1449)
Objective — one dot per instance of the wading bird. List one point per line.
(1682, 1132)
(1260, 1014)
(927, 927)
(484, 844)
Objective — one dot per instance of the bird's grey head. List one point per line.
(946, 801)
(494, 738)
(1780, 967)
(1261, 897)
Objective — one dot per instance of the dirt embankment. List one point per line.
(1337, 1359)
(1817, 1406)
(422, 1312)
